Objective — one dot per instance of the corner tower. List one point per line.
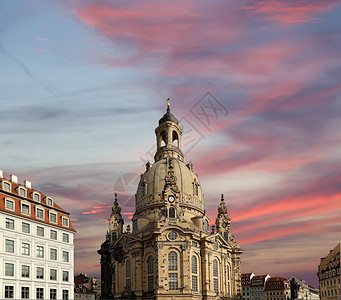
(171, 252)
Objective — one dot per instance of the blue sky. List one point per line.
(83, 84)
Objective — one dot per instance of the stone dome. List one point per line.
(152, 183)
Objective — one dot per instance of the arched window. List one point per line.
(194, 273)
(196, 190)
(171, 212)
(128, 268)
(163, 139)
(172, 261)
(215, 276)
(175, 139)
(144, 189)
(194, 264)
(128, 274)
(206, 225)
(150, 262)
(114, 236)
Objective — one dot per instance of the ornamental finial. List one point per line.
(168, 109)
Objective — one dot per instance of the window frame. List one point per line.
(67, 221)
(53, 235)
(66, 254)
(66, 278)
(24, 204)
(20, 189)
(9, 246)
(40, 208)
(38, 274)
(66, 240)
(9, 200)
(9, 223)
(24, 248)
(23, 225)
(9, 268)
(53, 254)
(50, 219)
(7, 183)
(28, 271)
(41, 229)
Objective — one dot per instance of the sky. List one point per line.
(255, 85)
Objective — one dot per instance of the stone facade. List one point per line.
(170, 253)
(329, 275)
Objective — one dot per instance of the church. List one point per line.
(170, 252)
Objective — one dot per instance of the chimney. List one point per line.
(14, 178)
(1, 174)
(28, 184)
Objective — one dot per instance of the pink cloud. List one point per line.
(284, 11)
(43, 39)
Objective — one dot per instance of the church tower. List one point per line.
(170, 253)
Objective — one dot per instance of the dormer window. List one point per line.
(6, 186)
(22, 192)
(9, 204)
(49, 201)
(53, 217)
(25, 208)
(36, 197)
(40, 213)
(65, 221)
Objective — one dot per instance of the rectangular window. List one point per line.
(40, 213)
(9, 223)
(40, 251)
(65, 256)
(65, 221)
(53, 254)
(40, 293)
(215, 283)
(10, 204)
(25, 209)
(53, 294)
(65, 238)
(40, 231)
(25, 249)
(9, 292)
(9, 246)
(25, 292)
(25, 271)
(53, 234)
(65, 295)
(65, 275)
(194, 283)
(53, 217)
(150, 283)
(173, 281)
(40, 273)
(25, 227)
(53, 274)
(22, 192)
(9, 269)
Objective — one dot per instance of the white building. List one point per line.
(36, 244)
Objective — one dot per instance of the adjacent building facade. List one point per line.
(246, 282)
(171, 252)
(257, 287)
(277, 288)
(36, 244)
(329, 275)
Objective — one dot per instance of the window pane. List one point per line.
(9, 204)
(53, 294)
(172, 261)
(53, 234)
(9, 292)
(9, 223)
(173, 281)
(26, 227)
(40, 293)
(150, 283)
(53, 217)
(9, 269)
(40, 273)
(25, 271)
(40, 251)
(9, 246)
(25, 249)
(40, 231)
(215, 268)
(65, 221)
(65, 295)
(194, 265)
(65, 275)
(7, 187)
(36, 197)
(194, 283)
(25, 292)
(65, 237)
(40, 213)
(22, 192)
(53, 274)
(150, 265)
(53, 254)
(128, 268)
(65, 256)
(25, 209)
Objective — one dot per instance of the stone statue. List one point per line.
(294, 287)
